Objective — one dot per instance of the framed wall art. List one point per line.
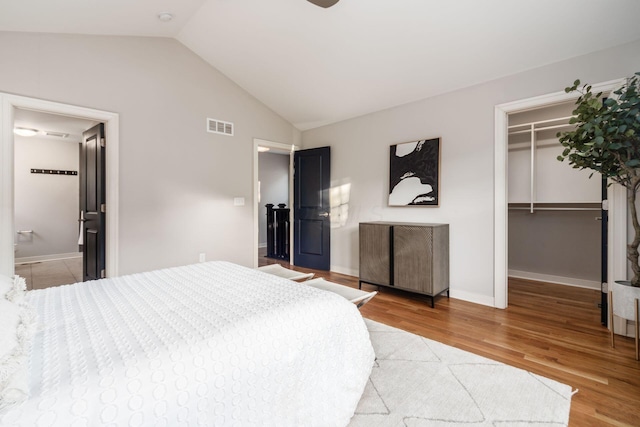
(414, 173)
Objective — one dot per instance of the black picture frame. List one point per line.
(414, 173)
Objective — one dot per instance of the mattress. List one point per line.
(206, 344)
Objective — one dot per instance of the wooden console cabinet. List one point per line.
(410, 256)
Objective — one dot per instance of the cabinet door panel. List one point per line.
(375, 254)
(440, 261)
(412, 258)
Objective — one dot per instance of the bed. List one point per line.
(206, 344)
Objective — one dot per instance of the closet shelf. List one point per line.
(556, 206)
(560, 122)
(556, 202)
(525, 208)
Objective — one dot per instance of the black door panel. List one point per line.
(312, 226)
(92, 202)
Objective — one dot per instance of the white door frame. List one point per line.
(8, 104)
(276, 146)
(616, 194)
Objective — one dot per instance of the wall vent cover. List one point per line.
(218, 126)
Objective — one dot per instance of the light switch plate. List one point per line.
(238, 201)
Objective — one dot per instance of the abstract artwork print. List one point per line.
(414, 173)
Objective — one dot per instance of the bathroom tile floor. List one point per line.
(45, 274)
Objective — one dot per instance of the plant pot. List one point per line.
(623, 302)
(624, 296)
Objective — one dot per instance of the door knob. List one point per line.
(324, 214)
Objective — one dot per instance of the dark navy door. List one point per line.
(311, 214)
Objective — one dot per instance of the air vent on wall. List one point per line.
(218, 126)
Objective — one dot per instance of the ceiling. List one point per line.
(48, 122)
(316, 66)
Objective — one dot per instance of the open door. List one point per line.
(311, 209)
(92, 202)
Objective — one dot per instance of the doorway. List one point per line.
(306, 242)
(273, 203)
(47, 160)
(259, 146)
(616, 259)
(10, 104)
(555, 211)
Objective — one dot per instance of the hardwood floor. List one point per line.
(550, 330)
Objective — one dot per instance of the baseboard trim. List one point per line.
(471, 297)
(345, 271)
(44, 258)
(262, 245)
(560, 280)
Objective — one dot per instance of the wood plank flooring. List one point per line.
(550, 330)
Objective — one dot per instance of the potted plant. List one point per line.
(606, 140)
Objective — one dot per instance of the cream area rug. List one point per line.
(417, 382)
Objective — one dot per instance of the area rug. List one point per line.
(417, 382)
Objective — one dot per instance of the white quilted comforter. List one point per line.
(205, 344)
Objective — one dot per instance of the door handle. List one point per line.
(324, 214)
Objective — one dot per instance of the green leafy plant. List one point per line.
(606, 140)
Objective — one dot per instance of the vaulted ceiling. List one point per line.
(315, 66)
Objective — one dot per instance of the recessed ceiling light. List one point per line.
(165, 16)
(25, 131)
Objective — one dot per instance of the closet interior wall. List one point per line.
(554, 231)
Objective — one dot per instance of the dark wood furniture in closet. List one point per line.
(410, 256)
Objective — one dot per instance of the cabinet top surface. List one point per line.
(415, 224)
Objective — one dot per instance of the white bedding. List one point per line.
(206, 344)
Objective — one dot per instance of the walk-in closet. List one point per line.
(554, 210)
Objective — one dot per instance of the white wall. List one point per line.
(557, 246)
(177, 182)
(465, 121)
(273, 174)
(46, 204)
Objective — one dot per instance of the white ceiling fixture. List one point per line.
(165, 16)
(25, 131)
(315, 66)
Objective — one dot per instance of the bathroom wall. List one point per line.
(46, 204)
